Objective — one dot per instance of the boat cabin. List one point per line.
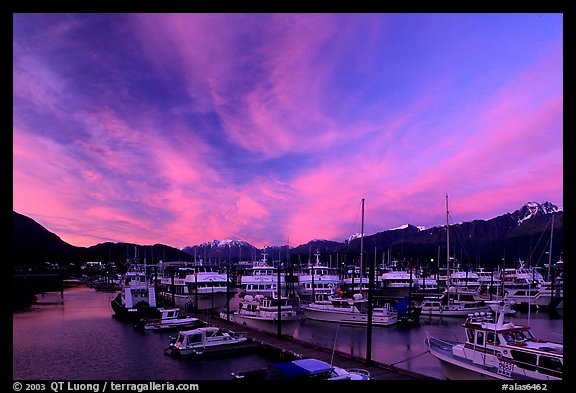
(515, 345)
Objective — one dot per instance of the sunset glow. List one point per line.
(184, 128)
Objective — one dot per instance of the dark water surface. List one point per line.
(80, 340)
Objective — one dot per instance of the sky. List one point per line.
(272, 128)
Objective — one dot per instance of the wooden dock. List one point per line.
(289, 348)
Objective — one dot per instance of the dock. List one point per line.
(289, 348)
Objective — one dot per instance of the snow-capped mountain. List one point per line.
(531, 209)
(225, 243)
(525, 233)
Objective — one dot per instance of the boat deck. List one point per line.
(290, 348)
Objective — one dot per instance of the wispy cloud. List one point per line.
(183, 128)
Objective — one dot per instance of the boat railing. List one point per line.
(442, 339)
(238, 334)
(360, 371)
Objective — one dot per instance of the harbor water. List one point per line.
(78, 339)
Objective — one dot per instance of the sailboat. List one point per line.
(354, 309)
(446, 305)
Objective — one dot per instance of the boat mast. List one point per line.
(370, 294)
(361, 249)
(447, 249)
(550, 250)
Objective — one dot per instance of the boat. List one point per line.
(408, 311)
(304, 370)
(465, 279)
(168, 320)
(209, 340)
(425, 286)
(137, 296)
(349, 311)
(194, 286)
(446, 306)
(261, 279)
(318, 280)
(353, 281)
(261, 313)
(448, 303)
(497, 350)
(396, 282)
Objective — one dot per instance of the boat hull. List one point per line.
(216, 350)
(457, 312)
(200, 302)
(131, 314)
(347, 318)
(269, 325)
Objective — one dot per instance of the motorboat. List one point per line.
(350, 311)
(317, 280)
(261, 313)
(168, 320)
(262, 279)
(209, 340)
(304, 369)
(449, 306)
(194, 286)
(496, 349)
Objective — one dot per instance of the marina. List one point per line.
(115, 350)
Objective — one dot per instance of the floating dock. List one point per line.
(289, 348)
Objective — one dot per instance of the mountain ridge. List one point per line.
(475, 240)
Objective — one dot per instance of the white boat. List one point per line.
(397, 282)
(317, 280)
(498, 350)
(444, 307)
(261, 313)
(425, 286)
(261, 279)
(137, 296)
(304, 369)
(168, 319)
(354, 282)
(349, 311)
(209, 340)
(194, 286)
(465, 279)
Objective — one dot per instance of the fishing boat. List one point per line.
(137, 296)
(209, 340)
(496, 349)
(349, 311)
(261, 313)
(303, 370)
(168, 320)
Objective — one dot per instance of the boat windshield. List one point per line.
(518, 335)
(195, 338)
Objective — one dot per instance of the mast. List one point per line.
(370, 294)
(447, 246)
(361, 248)
(550, 250)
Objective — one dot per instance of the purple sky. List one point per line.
(185, 128)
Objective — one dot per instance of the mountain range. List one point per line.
(523, 234)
